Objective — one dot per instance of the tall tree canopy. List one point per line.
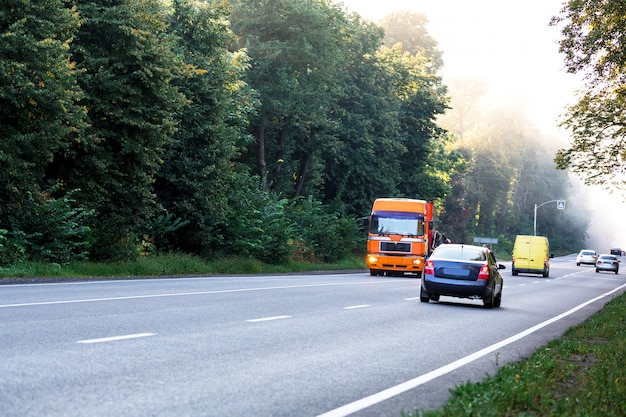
(197, 173)
(296, 55)
(594, 44)
(409, 29)
(128, 62)
(39, 114)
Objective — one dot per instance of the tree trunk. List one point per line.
(306, 166)
(262, 162)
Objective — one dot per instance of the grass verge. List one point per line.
(581, 374)
(167, 265)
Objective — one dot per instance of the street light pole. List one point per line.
(535, 221)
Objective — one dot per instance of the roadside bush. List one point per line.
(321, 235)
(48, 229)
(256, 226)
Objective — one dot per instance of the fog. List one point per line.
(511, 47)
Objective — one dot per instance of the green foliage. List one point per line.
(320, 235)
(593, 44)
(159, 230)
(264, 141)
(39, 115)
(197, 172)
(409, 29)
(127, 62)
(255, 224)
(49, 229)
(297, 65)
(507, 169)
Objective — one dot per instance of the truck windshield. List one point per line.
(397, 223)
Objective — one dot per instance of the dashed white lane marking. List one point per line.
(355, 307)
(115, 338)
(268, 319)
(411, 299)
(427, 377)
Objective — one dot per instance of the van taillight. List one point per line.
(429, 268)
(484, 272)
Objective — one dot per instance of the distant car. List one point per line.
(607, 263)
(617, 251)
(587, 256)
(463, 271)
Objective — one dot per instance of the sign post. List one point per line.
(560, 205)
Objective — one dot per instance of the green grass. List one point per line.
(581, 374)
(167, 265)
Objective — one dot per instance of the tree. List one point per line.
(409, 29)
(297, 61)
(465, 93)
(594, 40)
(422, 97)
(361, 160)
(127, 64)
(39, 114)
(198, 166)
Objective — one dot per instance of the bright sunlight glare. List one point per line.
(510, 45)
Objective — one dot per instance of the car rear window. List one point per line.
(460, 253)
(587, 252)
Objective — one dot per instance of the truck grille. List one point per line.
(395, 247)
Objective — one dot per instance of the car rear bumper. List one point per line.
(457, 288)
(606, 268)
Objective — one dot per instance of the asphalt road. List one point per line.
(289, 345)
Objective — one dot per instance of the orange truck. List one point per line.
(400, 236)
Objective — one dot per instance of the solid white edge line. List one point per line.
(267, 319)
(115, 338)
(427, 377)
(195, 293)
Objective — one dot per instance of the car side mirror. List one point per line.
(500, 266)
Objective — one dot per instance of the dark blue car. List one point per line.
(464, 271)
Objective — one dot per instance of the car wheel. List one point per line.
(577, 263)
(616, 272)
(489, 301)
(434, 297)
(424, 297)
(498, 300)
(597, 270)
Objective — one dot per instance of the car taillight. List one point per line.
(484, 272)
(429, 268)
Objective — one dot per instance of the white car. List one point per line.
(607, 263)
(587, 256)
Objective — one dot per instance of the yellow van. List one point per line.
(531, 254)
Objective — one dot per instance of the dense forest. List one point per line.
(261, 128)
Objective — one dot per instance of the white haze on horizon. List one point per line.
(510, 45)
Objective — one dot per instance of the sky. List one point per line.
(510, 45)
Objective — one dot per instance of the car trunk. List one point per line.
(454, 270)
